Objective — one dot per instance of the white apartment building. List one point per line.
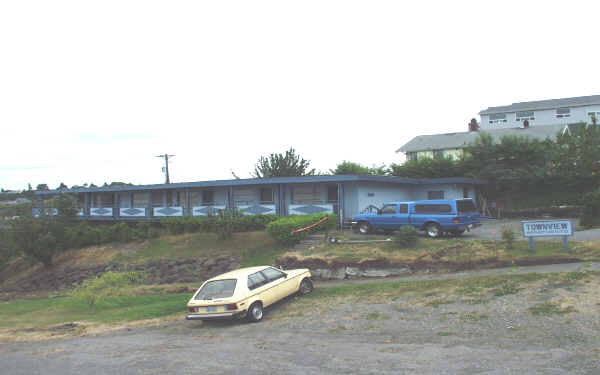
(542, 112)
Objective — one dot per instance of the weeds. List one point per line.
(550, 308)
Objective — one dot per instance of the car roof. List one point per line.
(239, 273)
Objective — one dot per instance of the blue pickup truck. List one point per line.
(435, 217)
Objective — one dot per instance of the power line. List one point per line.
(166, 167)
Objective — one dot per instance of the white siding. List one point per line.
(543, 117)
(377, 194)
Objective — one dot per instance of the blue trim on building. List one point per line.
(268, 181)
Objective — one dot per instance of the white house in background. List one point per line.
(539, 120)
(542, 112)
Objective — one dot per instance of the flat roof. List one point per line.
(268, 181)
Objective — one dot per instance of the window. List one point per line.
(140, 199)
(525, 115)
(244, 196)
(217, 289)
(497, 118)
(157, 198)
(465, 192)
(436, 194)
(438, 154)
(432, 208)
(272, 274)
(388, 209)
(208, 197)
(256, 280)
(411, 156)
(404, 208)
(332, 193)
(594, 116)
(563, 112)
(266, 195)
(303, 194)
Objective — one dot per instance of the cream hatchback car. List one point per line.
(244, 293)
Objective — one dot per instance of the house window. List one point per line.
(208, 197)
(497, 118)
(266, 195)
(563, 112)
(244, 196)
(465, 192)
(435, 194)
(411, 156)
(332, 193)
(304, 194)
(157, 198)
(438, 154)
(525, 115)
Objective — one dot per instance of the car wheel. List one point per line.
(255, 312)
(306, 286)
(364, 227)
(433, 230)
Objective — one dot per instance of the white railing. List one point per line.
(308, 209)
(101, 211)
(168, 211)
(256, 209)
(207, 210)
(132, 212)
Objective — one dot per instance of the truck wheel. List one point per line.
(364, 227)
(433, 230)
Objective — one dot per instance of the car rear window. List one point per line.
(432, 208)
(465, 206)
(217, 289)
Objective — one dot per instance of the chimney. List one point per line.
(473, 125)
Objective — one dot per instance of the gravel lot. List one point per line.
(428, 334)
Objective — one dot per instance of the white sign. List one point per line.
(543, 228)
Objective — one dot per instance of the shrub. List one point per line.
(407, 237)
(174, 225)
(590, 216)
(508, 236)
(91, 291)
(224, 224)
(281, 229)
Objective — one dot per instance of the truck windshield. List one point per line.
(216, 289)
(465, 206)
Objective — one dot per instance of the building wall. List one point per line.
(451, 191)
(376, 194)
(454, 153)
(350, 200)
(543, 117)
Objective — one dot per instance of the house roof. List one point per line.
(462, 139)
(269, 181)
(544, 104)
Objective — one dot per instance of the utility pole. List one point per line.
(166, 167)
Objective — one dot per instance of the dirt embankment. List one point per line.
(157, 272)
(330, 267)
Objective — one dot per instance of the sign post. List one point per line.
(548, 228)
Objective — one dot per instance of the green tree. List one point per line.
(42, 187)
(348, 167)
(576, 157)
(428, 168)
(282, 165)
(39, 239)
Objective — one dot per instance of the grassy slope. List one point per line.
(18, 319)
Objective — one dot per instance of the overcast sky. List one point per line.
(90, 91)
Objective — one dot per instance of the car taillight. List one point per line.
(231, 306)
(455, 220)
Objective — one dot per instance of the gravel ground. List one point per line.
(430, 334)
(491, 229)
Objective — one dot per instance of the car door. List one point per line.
(385, 218)
(402, 217)
(282, 285)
